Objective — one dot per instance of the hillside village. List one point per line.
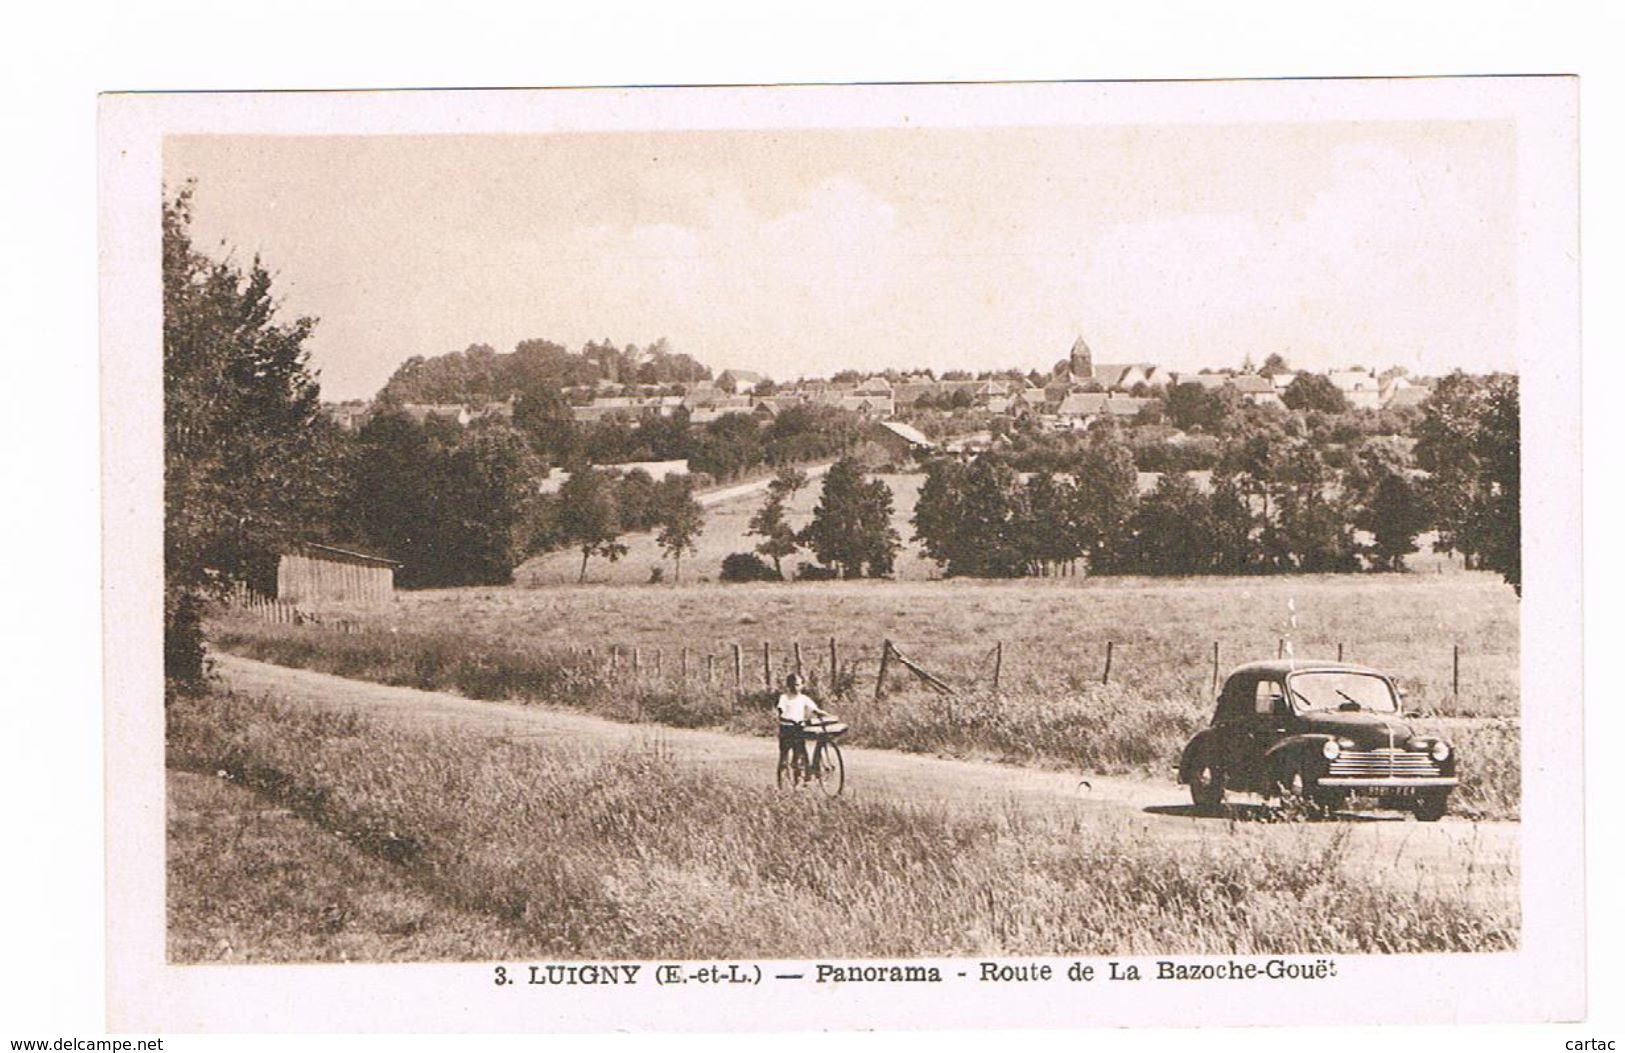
(1076, 394)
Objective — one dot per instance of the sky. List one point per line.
(800, 253)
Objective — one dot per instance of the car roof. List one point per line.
(1278, 667)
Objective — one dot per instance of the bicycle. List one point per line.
(826, 766)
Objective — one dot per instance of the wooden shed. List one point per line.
(311, 574)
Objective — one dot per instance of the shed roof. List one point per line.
(341, 555)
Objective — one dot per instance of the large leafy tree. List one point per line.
(452, 504)
(1312, 391)
(1105, 495)
(1312, 530)
(1174, 528)
(969, 518)
(851, 526)
(1047, 529)
(1386, 501)
(589, 518)
(248, 465)
(679, 519)
(1469, 442)
(771, 522)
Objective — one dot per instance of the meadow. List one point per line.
(665, 653)
(359, 838)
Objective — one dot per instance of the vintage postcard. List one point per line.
(784, 558)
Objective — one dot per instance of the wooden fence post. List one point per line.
(1280, 647)
(767, 665)
(796, 647)
(1106, 677)
(834, 666)
(683, 665)
(998, 663)
(1215, 667)
(739, 671)
(636, 663)
(710, 670)
(1455, 670)
(1339, 652)
(880, 681)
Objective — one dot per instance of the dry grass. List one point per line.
(252, 882)
(560, 852)
(516, 644)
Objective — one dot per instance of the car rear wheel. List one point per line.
(1431, 808)
(1207, 785)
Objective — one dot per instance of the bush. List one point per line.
(815, 572)
(748, 566)
(184, 662)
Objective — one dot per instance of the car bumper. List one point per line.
(1398, 785)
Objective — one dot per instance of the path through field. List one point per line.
(740, 491)
(1477, 859)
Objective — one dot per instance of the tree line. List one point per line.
(1280, 498)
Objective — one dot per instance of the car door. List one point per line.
(1267, 722)
(1233, 728)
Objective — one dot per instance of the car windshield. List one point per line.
(1332, 689)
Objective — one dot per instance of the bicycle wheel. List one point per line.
(828, 768)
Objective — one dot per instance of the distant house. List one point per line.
(1360, 389)
(1122, 377)
(421, 412)
(900, 441)
(1208, 381)
(1257, 390)
(311, 574)
(874, 386)
(1411, 396)
(599, 408)
(876, 406)
(349, 416)
(907, 393)
(739, 381)
(1027, 400)
(1125, 406)
(1082, 405)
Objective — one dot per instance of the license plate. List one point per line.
(1392, 791)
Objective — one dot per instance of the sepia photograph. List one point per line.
(904, 538)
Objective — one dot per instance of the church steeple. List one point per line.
(1083, 360)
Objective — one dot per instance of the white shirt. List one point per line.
(797, 708)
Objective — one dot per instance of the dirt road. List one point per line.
(1479, 860)
(712, 498)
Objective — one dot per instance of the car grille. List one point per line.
(1381, 763)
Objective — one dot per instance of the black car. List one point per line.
(1317, 733)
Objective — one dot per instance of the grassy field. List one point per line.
(415, 843)
(1052, 707)
(727, 528)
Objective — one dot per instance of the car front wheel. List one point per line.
(1207, 786)
(1430, 809)
(1296, 791)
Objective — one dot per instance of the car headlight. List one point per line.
(1330, 749)
(1440, 751)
